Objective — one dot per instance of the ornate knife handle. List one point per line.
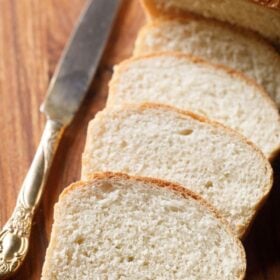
(14, 237)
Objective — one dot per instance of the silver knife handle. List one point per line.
(14, 237)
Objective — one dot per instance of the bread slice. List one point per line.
(217, 43)
(257, 15)
(192, 84)
(121, 227)
(163, 142)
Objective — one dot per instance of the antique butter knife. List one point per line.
(66, 92)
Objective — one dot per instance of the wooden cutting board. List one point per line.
(32, 36)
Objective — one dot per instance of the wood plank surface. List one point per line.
(32, 36)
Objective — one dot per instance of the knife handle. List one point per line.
(14, 237)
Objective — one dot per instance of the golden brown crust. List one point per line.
(149, 180)
(151, 9)
(186, 193)
(120, 68)
(183, 191)
(274, 4)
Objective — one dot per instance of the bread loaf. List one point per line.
(162, 142)
(216, 42)
(192, 84)
(121, 227)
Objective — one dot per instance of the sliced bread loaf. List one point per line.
(257, 15)
(193, 84)
(162, 142)
(121, 227)
(217, 43)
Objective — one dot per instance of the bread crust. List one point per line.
(272, 4)
(120, 68)
(151, 9)
(181, 191)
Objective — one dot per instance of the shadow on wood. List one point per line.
(263, 241)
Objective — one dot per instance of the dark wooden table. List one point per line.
(32, 36)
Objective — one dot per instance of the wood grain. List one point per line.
(32, 36)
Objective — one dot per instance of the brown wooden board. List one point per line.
(32, 36)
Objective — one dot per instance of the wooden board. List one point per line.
(32, 36)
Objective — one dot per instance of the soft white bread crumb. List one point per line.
(195, 85)
(161, 142)
(217, 43)
(260, 17)
(120, 227)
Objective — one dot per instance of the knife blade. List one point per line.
(79, 60)
(66, 92)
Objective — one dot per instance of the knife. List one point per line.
(66, 92)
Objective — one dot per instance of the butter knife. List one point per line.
(65, 94)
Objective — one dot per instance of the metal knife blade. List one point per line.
(66, 92)
(79, 60)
